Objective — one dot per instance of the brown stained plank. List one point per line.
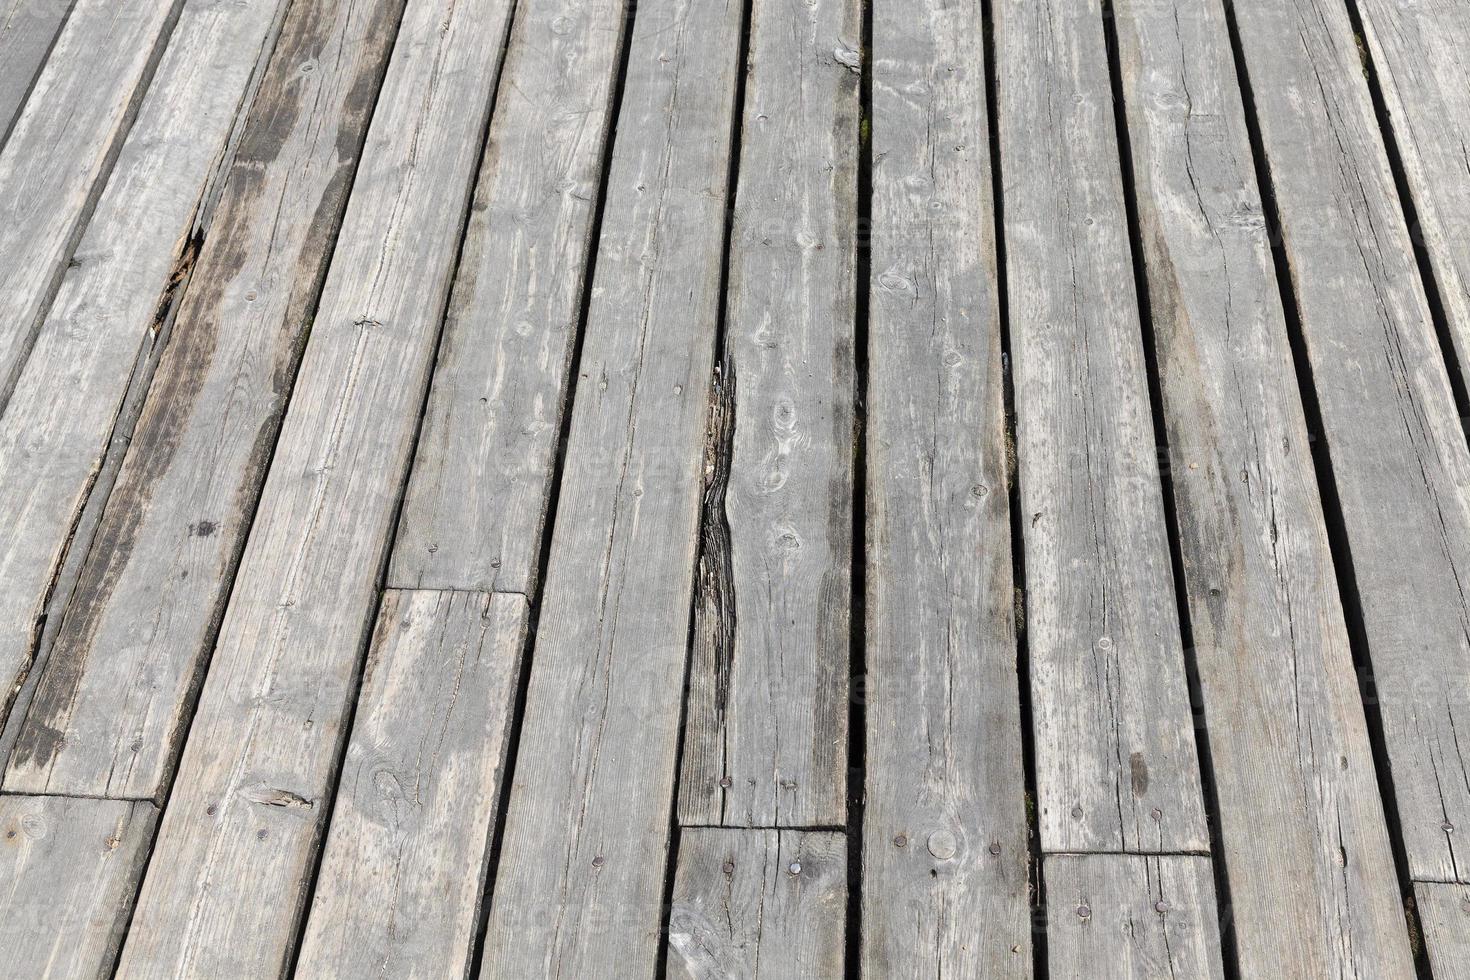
(1421, 53)
(400, 884)
(1396, 446)
(57, 157)
(945, 891)
(1116, 767)
(482, 479)
(236, 847)
(108, 715)
(107, 314)
(758, 905)
(28, 28)
(1444, 920)
(1132, 917)
(580, 884)
(766, 731)
(69, 869)
(1314, 894)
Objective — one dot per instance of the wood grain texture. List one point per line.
(944, 756)
(1131, 917)
(1421, 53)
(1444, 918)
(1116, 767)
(28, 28)
(58, 155)
(1393, 437)
(108, 714)
(480, 490)
(1306, 850)
(400, 885)
(112, 300)
(758, 905)
(579, 889)
(235, 851)
(68, 872)
(765, 743)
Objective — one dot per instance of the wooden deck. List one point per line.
(735, 489)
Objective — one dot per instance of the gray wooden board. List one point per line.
(1444, 921)
(400, 884)
(58, 154)
(1421, 53)
(579, 889)
(55, 428)
(1298, 799)
(1395, 443)
(766, 735)
(944, 759)
(68, 871)
(1116, 767)
(481, 483)
(235, 850)
(1132, 917)
(108, 714)
(28, 28)
(758, 905)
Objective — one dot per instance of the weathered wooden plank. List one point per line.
(480, 488)
(108, 714)
(579, 889)
(1131, 917)
(28, 28)
(758, 904)
(1396, 446)
(945, 890)
(1281, 698)
(234, 853)
(401, 881)
(68, 871)
(1444, 917)
(1116, 767)
(1418, 51)
(766, 737)
(57, 157)
(106, 314)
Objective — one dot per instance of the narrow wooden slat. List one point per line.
(1423, 71)
(944, 757)
(58, 154)
(1396, 446)
(580, 884)
(1444, 917)
(107, 716)
(1131, 917)
(481, 483)
(766, 736)
(107, 312)
(28, 28)
(1116, 767)
(1281, 698)
(401, 881)
(234, 853)
(758, 905)
(68, 871)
